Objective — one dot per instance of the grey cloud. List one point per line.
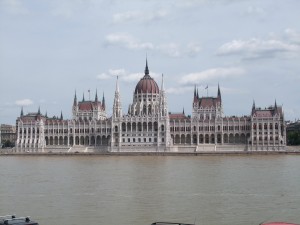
(257, 48)
(170, 49)
(140, 16)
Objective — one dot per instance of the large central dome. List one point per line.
(147, 84)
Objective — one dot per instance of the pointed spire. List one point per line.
(197, 93)
(61, 115)
(46, 115)
(275, 106)
(219, 92)
(146, 68)
(96, 96)
(253, 107)
(117, 84)
(75, 99)
(103, 101)
(117, 108)
(183, 111)
(83, 97)
(22, 113)
(39, 111)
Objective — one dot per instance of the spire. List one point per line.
(275, 106)
(22, 113)
(197, 93)
(183, 111)
(96, 96)
(83, 98)
(146, 68)
(117, 108)
(61, 115)
(39, 111)
(75, 99)
(46, 115)
(103, 101)
(253, 107)
(117, 84)
(219, 92)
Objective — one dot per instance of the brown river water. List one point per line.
(139, 190)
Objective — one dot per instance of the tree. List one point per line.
(293, 138)
(7, 144)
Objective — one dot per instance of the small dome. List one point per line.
(147, 84)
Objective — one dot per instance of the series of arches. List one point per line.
(79, 140)
(140, 127)
(211, 138)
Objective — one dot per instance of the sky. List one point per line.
(49, 49)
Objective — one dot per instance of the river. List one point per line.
(138, 190)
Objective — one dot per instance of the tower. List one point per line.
(75, 106)
(117, 108)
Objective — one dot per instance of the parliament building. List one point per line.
(148, 126)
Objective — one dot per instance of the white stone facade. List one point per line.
(149, 127)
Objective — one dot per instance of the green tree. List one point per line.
(293, 138)
(7, 144)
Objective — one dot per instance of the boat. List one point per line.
(13, 220)
(170, 223)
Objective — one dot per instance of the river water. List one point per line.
(138, 190)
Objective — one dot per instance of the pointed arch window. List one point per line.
(149, 110)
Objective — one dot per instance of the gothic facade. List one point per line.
(148, 125)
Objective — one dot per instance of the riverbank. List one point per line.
(289, 150)
(229, 153)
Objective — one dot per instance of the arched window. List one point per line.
(123, 127)
(149, 109)
(155, 126)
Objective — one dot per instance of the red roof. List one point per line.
(88, 105)
(208, 102)
(269, 112)
(147, 85)
(177, 116)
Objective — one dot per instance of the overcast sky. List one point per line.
(49, 49)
